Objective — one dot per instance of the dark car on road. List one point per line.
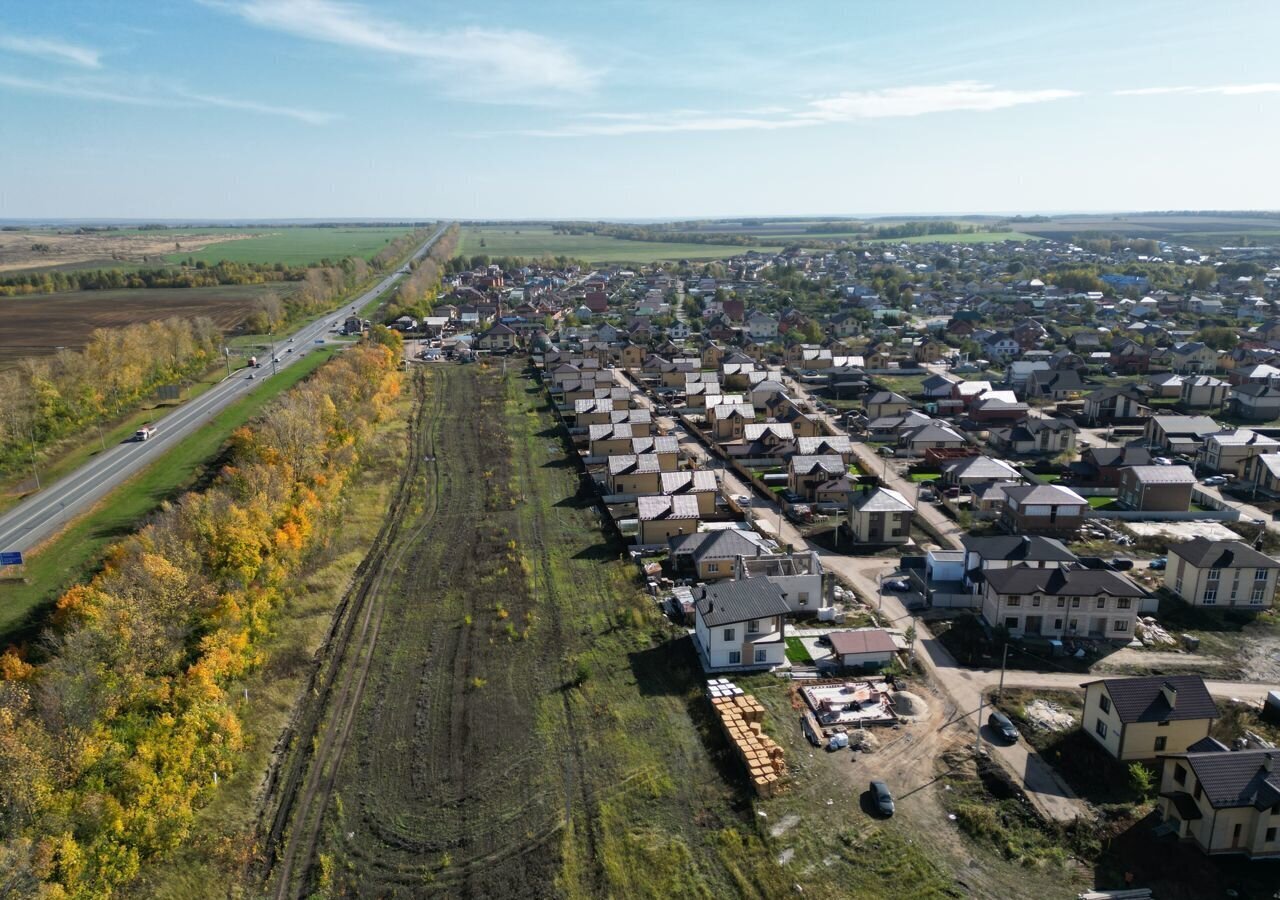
(1158, 563)
(1002, 726)
(897, 584)
(882, 799)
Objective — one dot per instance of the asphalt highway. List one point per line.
(46, 511)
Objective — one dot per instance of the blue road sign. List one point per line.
(11, 559)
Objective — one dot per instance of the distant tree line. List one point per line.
(417, 292)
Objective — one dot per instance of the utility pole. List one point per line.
(1003, 661)
(32, 433)
(977, 744)
(271, 339)
(226, 352)
(102, 440)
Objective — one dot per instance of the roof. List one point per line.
(781, 430)
(981, 467)
(1059, 582)
(827, 444)
(882, 397)
(739, 601)
(1197, 425)
(881, 500)
(1142, 699)
(1025, 494)
(695, 481)
(1238, 778)
(1206, 554)
(1241, 437)
(1010, 547)
(804, 465)
(724, 544)
(1119, 456)
(609, 431)
(868, 640)
(933, 431)
(1163, 474)
(633, 464)
(667, 506)
(667, 443)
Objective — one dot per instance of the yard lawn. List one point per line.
(925, 476)
(1103, 503)
(798, 653)
(1051, 478)
(907, 385)
(74, 554)
(541, 241)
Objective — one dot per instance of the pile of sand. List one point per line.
(909, 706)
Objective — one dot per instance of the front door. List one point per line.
(1032, 625)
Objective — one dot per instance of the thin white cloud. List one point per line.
(489, 63)
(142, 94)
(52, 50)
(955, 96)
(1228, 90)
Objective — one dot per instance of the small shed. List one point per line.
(866, 647)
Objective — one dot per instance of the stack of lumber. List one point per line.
(741, 716)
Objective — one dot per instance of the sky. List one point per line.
(233, 109)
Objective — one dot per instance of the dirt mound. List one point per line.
(864, 740)
(1047, 716)
(909, 706)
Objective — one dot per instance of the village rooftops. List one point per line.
(1163, 474)
(982, 468)
(1200, 426)
(880, 500)
(1060, 582)
(826, 445)
(1238, 778)
(691, 482)
(663, 444)
(804, 465)
(726, 543)
(740, 601)
(610, 431)
(667, 506)
(1052, 494)
(1018, 547)
(633, 464)
(868, 640)
(1206, 554)
(1145, 699)
(783, 431)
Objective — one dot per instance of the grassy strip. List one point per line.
(74, 553)
(798, 653)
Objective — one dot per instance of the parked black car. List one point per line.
(881, 797)
(1002, 726)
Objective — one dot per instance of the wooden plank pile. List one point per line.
(741, 716)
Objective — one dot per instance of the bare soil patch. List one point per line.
(66, 249)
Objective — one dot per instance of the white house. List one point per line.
(740, 624)
(761, 327)
(797, 575)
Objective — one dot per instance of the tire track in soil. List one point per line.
(302, 778)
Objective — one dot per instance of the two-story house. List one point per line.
(806, 473)
(1179, 434)
(880, 516)
(710, 555)
(697, 483)
(634, 474)
(1042, 509)
(984, 553)
(664, 516)
(1203, 392)
(1115, 404)
(1157, 488)
(1221, 573)
(1193, 357)
(885, 403)
(740, 624)
(1256, 402)
(1223, 800)
(1228, 451)
(1142, 718)
(798, 575)
(1061, 602)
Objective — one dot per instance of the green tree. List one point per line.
(1203, 277)
(1219, 337)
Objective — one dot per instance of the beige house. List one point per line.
(608, 440)
(1221, 573)
(806, 473)
(1061, 602)
(728, 420)
(1224, 801)
(635, 474)
(1157, 488)
(665, 447)
(665, 516)
(1228, 451)
(886, 403)
(880, 516)
(699, 484)
(1142, 718)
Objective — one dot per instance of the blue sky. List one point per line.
(328, 108)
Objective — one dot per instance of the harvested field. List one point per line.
(105, 248)
(38, 324)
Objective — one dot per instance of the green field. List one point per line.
(976, 237)
(74, 554)
(535, 242)
(294, 246)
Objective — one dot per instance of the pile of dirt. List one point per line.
(863, 740)
(1047, 716)
(909, 707)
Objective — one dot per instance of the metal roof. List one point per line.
(739, 601)
(1060, 582)
(1142, 699)
(1238, 778)
(871, 640)
(1206, 554)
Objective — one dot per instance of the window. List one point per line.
(1259, 574)
(1101, 728)
(1015, 601)
(730, 634)
(735, 657)
(1271, 835)
(804, 598)
(1215, 574)
(1256, 596)
(1102, 603)
(1075, 602)
(1057, 624)
(1160, 742)
(1164, 724)
(1210, 596)
(713, 567)
(1123, 602)
(753, 627)
(1035, 601)
(1197, 793)
(762, 655)
(1120, 625)
(1011, 622)
(1180, 774)
(1177, 584)
(1062, 601)
(1104, 703)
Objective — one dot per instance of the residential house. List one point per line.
(1157, 488)
(665, 447)
(728, 420)
(880, 516)
(1115, 404)
(740, 624)
(762, 327)
(937, 387)
(799, 575)
(1224, 801)
(865, 649)
(697, 483)
(1128, 357)
(885, 403)
(1204, 392)
(1262, 475)
(1193, 357)
(1227, 451)
(1036, 435)
(825, 445)
(635, 474)
(610, 439)
(998, 406)
(806, 473)
(1043, 509)
(931, 435)
(1146, 717)
(973, 470)
(711, 555)
(497, 337)
(662, 517)
(1002, 347)
(1221, 573)
(1167, 384)
(1061, 602)
(1258, 402)
(1101, 466)
(1179, 434)
(1004, 551)
(1054, 384)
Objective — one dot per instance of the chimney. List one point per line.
(1269, 762)
(1170, 694)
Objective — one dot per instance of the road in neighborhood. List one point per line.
(44, 513)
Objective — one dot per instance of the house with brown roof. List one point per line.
(635, 474)
(865, 648)
(1142, 718)
(697, 483)
(1222, 800)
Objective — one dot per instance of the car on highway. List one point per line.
(290, 341)
(898, 585)
(252, 375)
(881, 798)
(288, 350)
(1158, 563)
(1001, 725)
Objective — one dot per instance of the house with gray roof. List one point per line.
(711, 554)
(740, 624)
(880, 516)
(1042, 509)
(1157, 488)
(1142, 718)
(1061, 602)
(1223, 801)
(1221, 573)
